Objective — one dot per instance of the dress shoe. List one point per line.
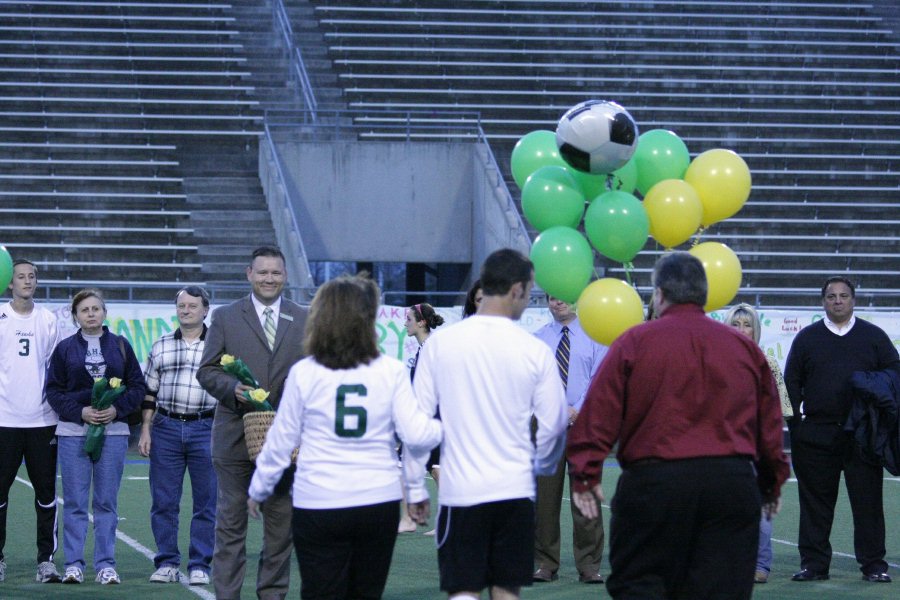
(590, 578)
(877, 577)
(807, 575)
(761, 576)
(544, 575)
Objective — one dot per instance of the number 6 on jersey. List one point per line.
(350, 421)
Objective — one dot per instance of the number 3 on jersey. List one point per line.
(350, 421)
(26, 346)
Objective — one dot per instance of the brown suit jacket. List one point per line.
(236, 330)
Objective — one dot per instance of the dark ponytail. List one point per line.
(425, 312)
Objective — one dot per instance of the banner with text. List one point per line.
(142, 324)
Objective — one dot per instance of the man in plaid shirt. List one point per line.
(175, 434)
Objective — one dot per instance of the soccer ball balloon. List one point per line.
(597, 136)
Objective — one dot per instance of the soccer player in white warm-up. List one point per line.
(489, 376)
(342, 406)
(28, 334)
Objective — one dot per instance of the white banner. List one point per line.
(142, 324)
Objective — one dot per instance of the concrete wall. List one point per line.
(397, 201)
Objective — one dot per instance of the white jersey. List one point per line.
(344, 423)
(26, 343)
(489, 376)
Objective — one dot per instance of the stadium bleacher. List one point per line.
(138, 121)
(807, 94)
(111, 115)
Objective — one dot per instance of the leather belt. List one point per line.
(205, 414)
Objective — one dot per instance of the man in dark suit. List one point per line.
(266, 332)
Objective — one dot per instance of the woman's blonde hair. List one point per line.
(741, 310)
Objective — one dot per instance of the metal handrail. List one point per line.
(402, 121)
(501, 182)
(280, 16)
(286, 206)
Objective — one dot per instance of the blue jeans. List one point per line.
(764, 552)
(78, 472)
(176, 446)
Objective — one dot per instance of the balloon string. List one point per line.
(628, 267)
(698, 236)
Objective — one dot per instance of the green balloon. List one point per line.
(552, 197)
(6, 268)
(625, 178)
(617, 225)
(660, 155)
(592, 185)
(533, 151)
(563, 263)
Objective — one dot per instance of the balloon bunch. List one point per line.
(6, 268)
(681, 198)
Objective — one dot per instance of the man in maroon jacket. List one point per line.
(693, 406)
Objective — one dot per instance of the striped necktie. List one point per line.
(562, 356)
(269, 327)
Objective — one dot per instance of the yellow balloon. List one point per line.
(723, 273)
(607, 307)
(674, 210)
(722, 181)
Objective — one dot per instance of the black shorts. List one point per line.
(485, 545)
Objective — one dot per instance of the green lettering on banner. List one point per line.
(776, 352)
(141, 333)
(383, 333)
(400, 332)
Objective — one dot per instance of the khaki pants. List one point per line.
(587, 536)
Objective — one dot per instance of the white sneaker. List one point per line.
(199, 577)
(73, 575)
(107, 576)
(47, 573)
(167, 574)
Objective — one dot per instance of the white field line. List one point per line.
(141, 549)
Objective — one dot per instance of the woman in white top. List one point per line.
(420, 320)
(342, 406)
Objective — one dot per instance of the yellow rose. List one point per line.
(227, 359)
(115, 382)
(259, 395)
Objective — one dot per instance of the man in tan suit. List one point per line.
(266, 332)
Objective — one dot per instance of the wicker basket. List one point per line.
(256, 426)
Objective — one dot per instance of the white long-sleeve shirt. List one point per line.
(344, 423)
(26, 343)
(489, 376)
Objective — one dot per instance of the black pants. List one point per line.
(820, 452)
(685, 529)
(37, 445)
(345, 553)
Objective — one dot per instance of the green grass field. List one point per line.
(414, 569)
